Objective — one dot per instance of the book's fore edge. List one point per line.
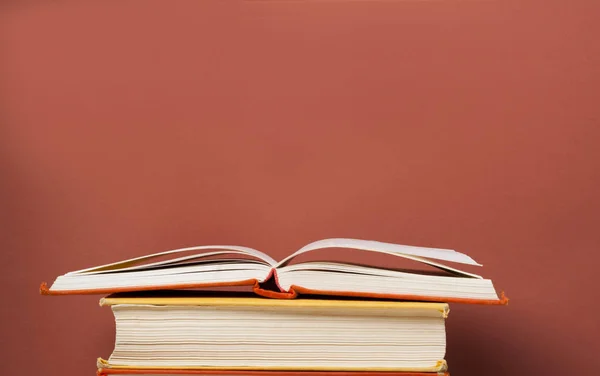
(440, 366)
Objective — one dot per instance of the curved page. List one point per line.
(420, 254)
(138, 262)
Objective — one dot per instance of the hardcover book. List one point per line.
(184, 333)
(159, 372)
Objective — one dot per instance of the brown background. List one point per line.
(129, 128)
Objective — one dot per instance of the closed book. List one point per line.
(253, 334)
(162, 372)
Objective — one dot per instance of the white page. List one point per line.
(224, 250)
(418, 253)
(359, 269)
(182, 262)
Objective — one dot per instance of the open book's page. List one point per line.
(381, 247)
(203, 253)
(420, 254)
(366, 269)
(208, 258)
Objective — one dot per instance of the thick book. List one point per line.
(222, 265)
(163, 372)
(254, 334)
(159, 372)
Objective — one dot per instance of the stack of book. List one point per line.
(303, 318)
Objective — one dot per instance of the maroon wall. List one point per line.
(134, 127)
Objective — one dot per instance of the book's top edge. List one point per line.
(261, 302)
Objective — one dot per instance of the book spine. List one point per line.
(272, 289)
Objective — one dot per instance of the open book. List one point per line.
(220, 265)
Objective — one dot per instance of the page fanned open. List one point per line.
(381, 247)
